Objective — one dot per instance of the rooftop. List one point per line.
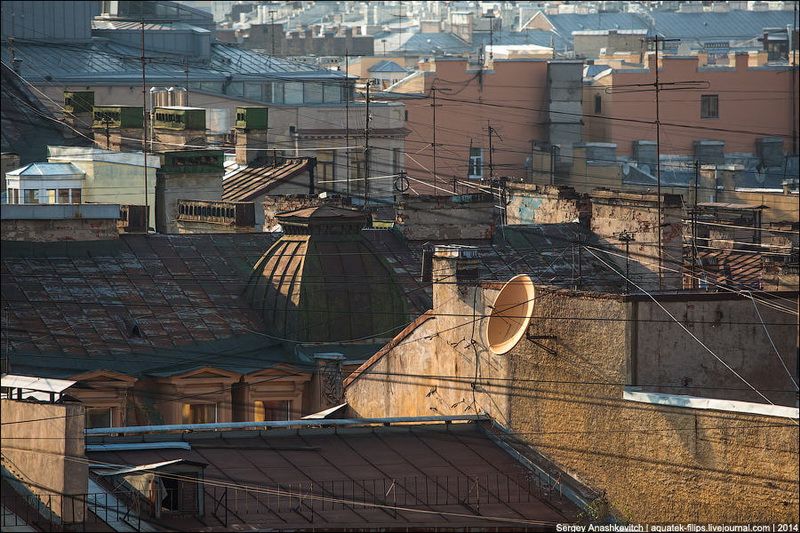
(247, 184)
(452, 476)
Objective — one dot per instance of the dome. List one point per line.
(321, 281)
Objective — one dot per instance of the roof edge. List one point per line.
(424, 317)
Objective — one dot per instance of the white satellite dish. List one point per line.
(626, 169)
(511, 314)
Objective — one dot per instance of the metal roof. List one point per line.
(247, 184)
(47, 170)
(424, 43)
(164, 304)
(104, 62)
(732, 25)
(33, 383)
(386, 66)
(566, 23)
(26, 125)
(327, 288)
(459, 476)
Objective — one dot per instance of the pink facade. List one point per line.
(510, 98)
(735, 104)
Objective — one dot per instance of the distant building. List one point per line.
(308, 105)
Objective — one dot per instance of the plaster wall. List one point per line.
(429, 218)
(461, 123)
(752, 100)
(174, 187)
(542, 204)
(613, 213)
(281, 118)
(43, 446)
(121, 183)
(73, 230)
(561, 391)
(668, 356)
(657, 463)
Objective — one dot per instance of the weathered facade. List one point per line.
(565, 389)
(43, 454)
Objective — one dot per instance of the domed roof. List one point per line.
(321, 282)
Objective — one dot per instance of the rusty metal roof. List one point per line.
(456, 476)
(549, 253)
(157, 296)
(732, 268)
(251, 182)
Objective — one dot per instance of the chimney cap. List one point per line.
(456, 251)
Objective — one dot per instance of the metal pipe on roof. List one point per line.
(286, 424)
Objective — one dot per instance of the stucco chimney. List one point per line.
(456, 271)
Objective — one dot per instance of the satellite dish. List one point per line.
(511, 314)
(645, 169)
(626, 169)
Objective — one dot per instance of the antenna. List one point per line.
(144, 134)
(367, 125)
(511, 314)
(434, 144)
(347, 116)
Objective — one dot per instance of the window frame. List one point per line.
(709, 106)
(475, 161)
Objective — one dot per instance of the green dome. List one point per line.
(321, 281)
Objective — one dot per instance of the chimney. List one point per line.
(456, 271)
(742, 60)
(118, 128)
(176, 127)
(252, 127)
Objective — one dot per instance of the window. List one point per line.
(293, 92)
(63, 196)
(709, 106)
(51, 196)
(199, 413)
(326, 161)
(313, 92)
(358, 169)
(598, 104)
(13, 196)
(30, 196)
(182, 492)
(76, 196)
(475, 162)
(396, 161)
(272, 410)
(98, 418)
(332, 93)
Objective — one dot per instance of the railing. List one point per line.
(230, 213)
(282, 503)
(404, 494)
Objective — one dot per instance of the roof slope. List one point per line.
(327, 288)
(249, 183)
(386, 66)
(103, 60)
(732, 25)
(453, 477)
(26, 125)
(160, 295)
